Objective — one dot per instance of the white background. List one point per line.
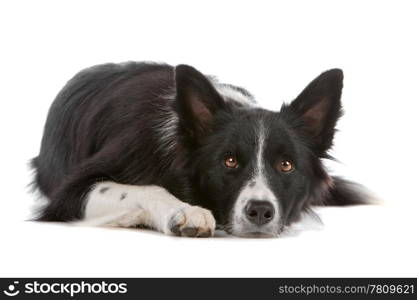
(273, 48)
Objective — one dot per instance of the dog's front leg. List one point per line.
(113, 204)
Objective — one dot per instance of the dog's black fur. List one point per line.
(114, 122)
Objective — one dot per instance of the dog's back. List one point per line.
(95, 115)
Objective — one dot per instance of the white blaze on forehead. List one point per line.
(257, 188)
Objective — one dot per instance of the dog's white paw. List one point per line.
(192, 221)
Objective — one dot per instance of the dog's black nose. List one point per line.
(259, 212)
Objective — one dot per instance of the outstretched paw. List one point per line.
(192, 221)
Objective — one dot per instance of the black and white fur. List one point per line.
(144, 144)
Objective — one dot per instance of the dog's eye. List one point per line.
(230, 161)
(285, 165)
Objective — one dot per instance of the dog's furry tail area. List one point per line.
(343, 192)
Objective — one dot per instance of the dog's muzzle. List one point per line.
(259, 212)
(258, 218)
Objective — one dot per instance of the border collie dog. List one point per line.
(152, 145)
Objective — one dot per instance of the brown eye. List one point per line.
(230, 161)
(285, 165)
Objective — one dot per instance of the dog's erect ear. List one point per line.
(320, 107)
(197, 100)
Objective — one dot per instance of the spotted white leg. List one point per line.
(120, 205)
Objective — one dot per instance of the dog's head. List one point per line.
(257, 170)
